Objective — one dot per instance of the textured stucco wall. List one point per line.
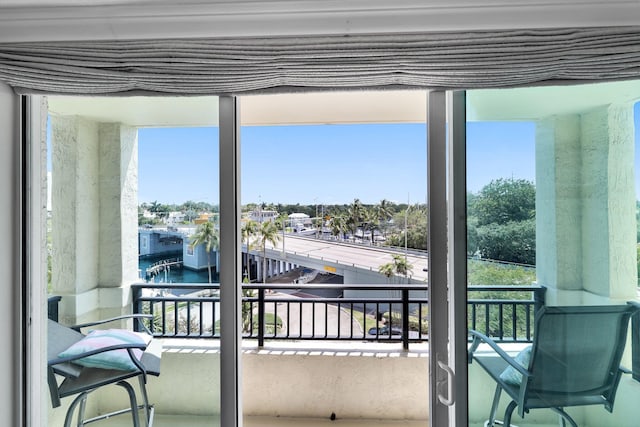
(558, 218)
(94, 217)
(608, 197)
(622, 205)
(75, 205)
(585, 206)
(118, 195)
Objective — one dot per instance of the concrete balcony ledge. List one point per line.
(306, 381)
(302, 348)
(294, 380)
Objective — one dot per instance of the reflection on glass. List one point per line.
(551, 223)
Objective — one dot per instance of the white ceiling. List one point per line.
(536, 102)
(310, 108)
(346, 107)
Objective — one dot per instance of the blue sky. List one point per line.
(329, 164)
(323, 164)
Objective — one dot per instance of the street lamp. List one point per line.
(316, 218)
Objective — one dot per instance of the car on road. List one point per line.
(386, 331)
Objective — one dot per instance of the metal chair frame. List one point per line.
(575, 361)
(81, 381)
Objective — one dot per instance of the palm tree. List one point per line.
(399, 266)
(402, 266)
(268, 232)
(354, 216)
(206, 235)
(249, 229)
(387, 269)
(369, 222)
(338, 226)
(384, 213)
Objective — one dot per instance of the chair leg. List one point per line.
(81, 409)
(564, 417)
(494, 406)
(133, 401)
(145, 398)
(81, 398)
(508, 412)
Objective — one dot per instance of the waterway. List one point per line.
(174, 275)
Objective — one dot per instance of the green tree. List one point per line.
(369, 222)
(514, 241)
(488, 273)
(206, 235)
(161, 210)
(399, 266)
(267, 232)
(355, 214)
(504, 200)
(249, 229)
(384, 212)
(247, 307)
(338, 225)
(501, 221)
(416, 230)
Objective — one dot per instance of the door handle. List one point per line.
(450, 400)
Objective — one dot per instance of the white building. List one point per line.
(261, 215)
(299, 221)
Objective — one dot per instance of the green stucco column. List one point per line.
(94, 216)
(585, 206)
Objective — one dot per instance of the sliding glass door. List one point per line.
(130, 221)
(552, 231)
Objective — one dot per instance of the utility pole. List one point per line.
(406, 231)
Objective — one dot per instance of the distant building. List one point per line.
(175, 218)
(159, 242)
(197, 258)
(204, 217)
(299, 221)
(148, 214)
(261, 215)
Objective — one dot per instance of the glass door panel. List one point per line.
(334, 226)
(552, 222)
(132, 226)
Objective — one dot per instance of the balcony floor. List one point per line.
(194, 421)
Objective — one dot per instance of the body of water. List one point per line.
(175, 275)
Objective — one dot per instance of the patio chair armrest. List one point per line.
(479, 338)
(138, 317)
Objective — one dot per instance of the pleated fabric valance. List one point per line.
(254, 65)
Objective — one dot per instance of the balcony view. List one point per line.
(333, 248)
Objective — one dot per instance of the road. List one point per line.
(359, 256)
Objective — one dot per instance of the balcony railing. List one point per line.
(383, 313)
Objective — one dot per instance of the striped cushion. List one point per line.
(112, 359)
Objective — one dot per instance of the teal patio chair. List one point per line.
(574, 361)
(79, 364)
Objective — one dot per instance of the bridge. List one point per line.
(357, 263)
